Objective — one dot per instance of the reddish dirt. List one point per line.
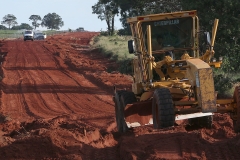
(56, 103)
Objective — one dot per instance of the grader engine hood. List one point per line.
(200, 76)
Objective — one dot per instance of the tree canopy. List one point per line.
(2, 27)
(127, 8)
(9, 20)
(228, 33)
(22, 26)
(52, 21)
(106, 10)
(35, 19)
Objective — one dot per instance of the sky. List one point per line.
(74, 13)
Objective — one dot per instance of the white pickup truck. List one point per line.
(28, 35)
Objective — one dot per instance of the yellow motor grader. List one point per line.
(172, 74)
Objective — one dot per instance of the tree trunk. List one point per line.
(108, 25)
(112, 30)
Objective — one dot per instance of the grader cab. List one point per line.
(172, 74)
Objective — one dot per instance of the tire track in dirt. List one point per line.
(30, 85)
(48, 79)
(85, 87)
(43, 76)
(28, 77)
(19, 104)
(60, 103)
(74, 98)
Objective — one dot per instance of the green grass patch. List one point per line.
(10, 34)
(115, 48)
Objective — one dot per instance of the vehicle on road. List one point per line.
(28, 35)
(39, 36)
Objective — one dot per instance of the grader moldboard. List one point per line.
(173, 81)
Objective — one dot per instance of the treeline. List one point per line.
(51, 21)
(228, 33)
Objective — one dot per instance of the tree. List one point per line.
(2, 27)
(228, 33)
(35, 19)
(22, 26)
(9, 20)
(52, 21)
(144, 7)
(106, 10)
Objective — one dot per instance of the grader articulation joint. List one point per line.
(171, 81)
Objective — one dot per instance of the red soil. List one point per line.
(56, 103)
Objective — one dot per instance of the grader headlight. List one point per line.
(214, 60)
(220, 59)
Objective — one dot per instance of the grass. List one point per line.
(115, 48)
(10, 34)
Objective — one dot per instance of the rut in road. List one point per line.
(37, 86)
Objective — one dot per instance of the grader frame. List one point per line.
(178, 86)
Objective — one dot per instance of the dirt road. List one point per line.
(56, 102)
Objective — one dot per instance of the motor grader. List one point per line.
(173, 81)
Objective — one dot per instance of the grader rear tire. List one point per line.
(162, 109)
(126, 98)
(236, 97)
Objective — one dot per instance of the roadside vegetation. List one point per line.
(10, 34)
(115, 48)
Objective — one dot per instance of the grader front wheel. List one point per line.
(236, 97)
(162, 109)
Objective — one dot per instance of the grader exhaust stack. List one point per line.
(170, 81)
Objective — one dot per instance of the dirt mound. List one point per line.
(56, 103)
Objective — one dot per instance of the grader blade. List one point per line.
(138, 114)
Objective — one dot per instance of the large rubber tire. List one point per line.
(118, 112)
(205, 121)
(236, 98)
(126, 98)
(162, 109)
